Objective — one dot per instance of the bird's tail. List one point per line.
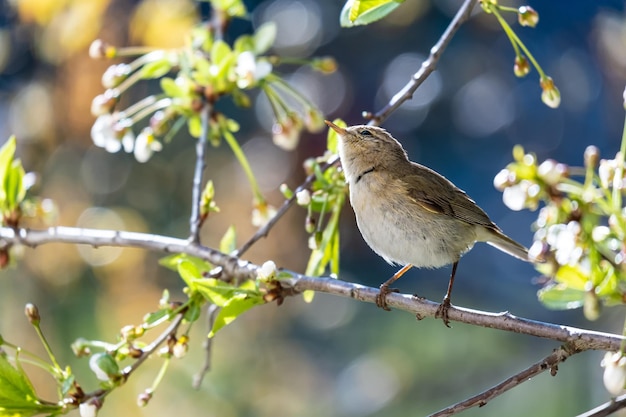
(501, 241)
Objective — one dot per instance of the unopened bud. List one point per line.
(527, 16)
(32, 313)
(100, 50)
(550, 95)
(614, 378)
(326, 65)
(592, 155)
(144, 398)
(521, 67)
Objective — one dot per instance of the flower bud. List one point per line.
(521, 67)
(267, 272)
(309, 224)
(325, 65)
(80, 347)
(551, 96)
(552, 172)
(104, 366)
(592, 306)
(303, 197)
(181, 347)
(503, 179)
(32, 313)
(115, 74)
(90, 408)
(100, 49)
(527, 16)
(103, 103)
(614, 378)
(144, 398)
(285, 190)
(592, 155)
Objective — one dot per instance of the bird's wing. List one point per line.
(445, 198)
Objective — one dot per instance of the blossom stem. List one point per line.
(243, 161)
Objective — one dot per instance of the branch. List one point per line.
(578, 339)
(608, 408)
(550, 362)
(195, 220)
(263, 231)
(428, 66)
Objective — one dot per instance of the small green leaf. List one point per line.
(189, 272)
(172, 261)
(194, 123)
(572, 277)
(235, 307)
(17, 396)
(363, 12)
(171, 88)
(264, 37)
(229, 241)
(155, 316)
(233, 8)
(155, 69)
(220, 52)
(332, 138)
(244, 43)
(560, 297)
(193, 312)
(14, 185)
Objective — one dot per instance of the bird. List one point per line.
(409, 214)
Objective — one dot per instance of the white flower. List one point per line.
(303, 197)
(564, 238)
(267, 271)
(109, 133)
(249, 69)
(261, 214)
(624, 96)
(614, 377)
(145, 145)
(88, 409)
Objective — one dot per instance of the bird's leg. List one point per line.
(381, 298)
(442, 311)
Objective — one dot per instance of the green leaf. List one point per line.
(155, 69)
(572, 277)
(189, 272)
(332, 138)
(228, 243)
(14, 189)
(235, 307)
(220, 52)
(363, 12)
(233, 8)
(244, 43)
(264, 37)
(17, 396)
(172, 261)
(328, 249)
(6, 160)
(171, 88)
(560, 297)
(194, 123)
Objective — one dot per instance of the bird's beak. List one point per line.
(340, 130)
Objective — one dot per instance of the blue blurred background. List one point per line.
(334, 356)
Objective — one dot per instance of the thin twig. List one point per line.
(550, 362)
(211, 314)
(428, 66)
(195, 220)
(241, 270)
(607, 408)
(263, 231)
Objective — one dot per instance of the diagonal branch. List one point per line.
(195, 220)
(550, 362)
(607, 408)
(233, 267)
(263, 231)
(428, 66)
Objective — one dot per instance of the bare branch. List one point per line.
(579, 339)
(195, 220)
(263, 231)
(428, 66)
(607, 408)
(550, 362)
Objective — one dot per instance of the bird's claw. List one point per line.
(381, 297)
(442, 311)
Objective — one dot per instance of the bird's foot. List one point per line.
(381, 297)
(442, 311)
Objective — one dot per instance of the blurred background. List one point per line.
(334, 357)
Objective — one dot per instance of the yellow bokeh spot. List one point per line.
(163, 23)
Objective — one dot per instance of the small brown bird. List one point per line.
(409, 214)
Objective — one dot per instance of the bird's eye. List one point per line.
(365, 132)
